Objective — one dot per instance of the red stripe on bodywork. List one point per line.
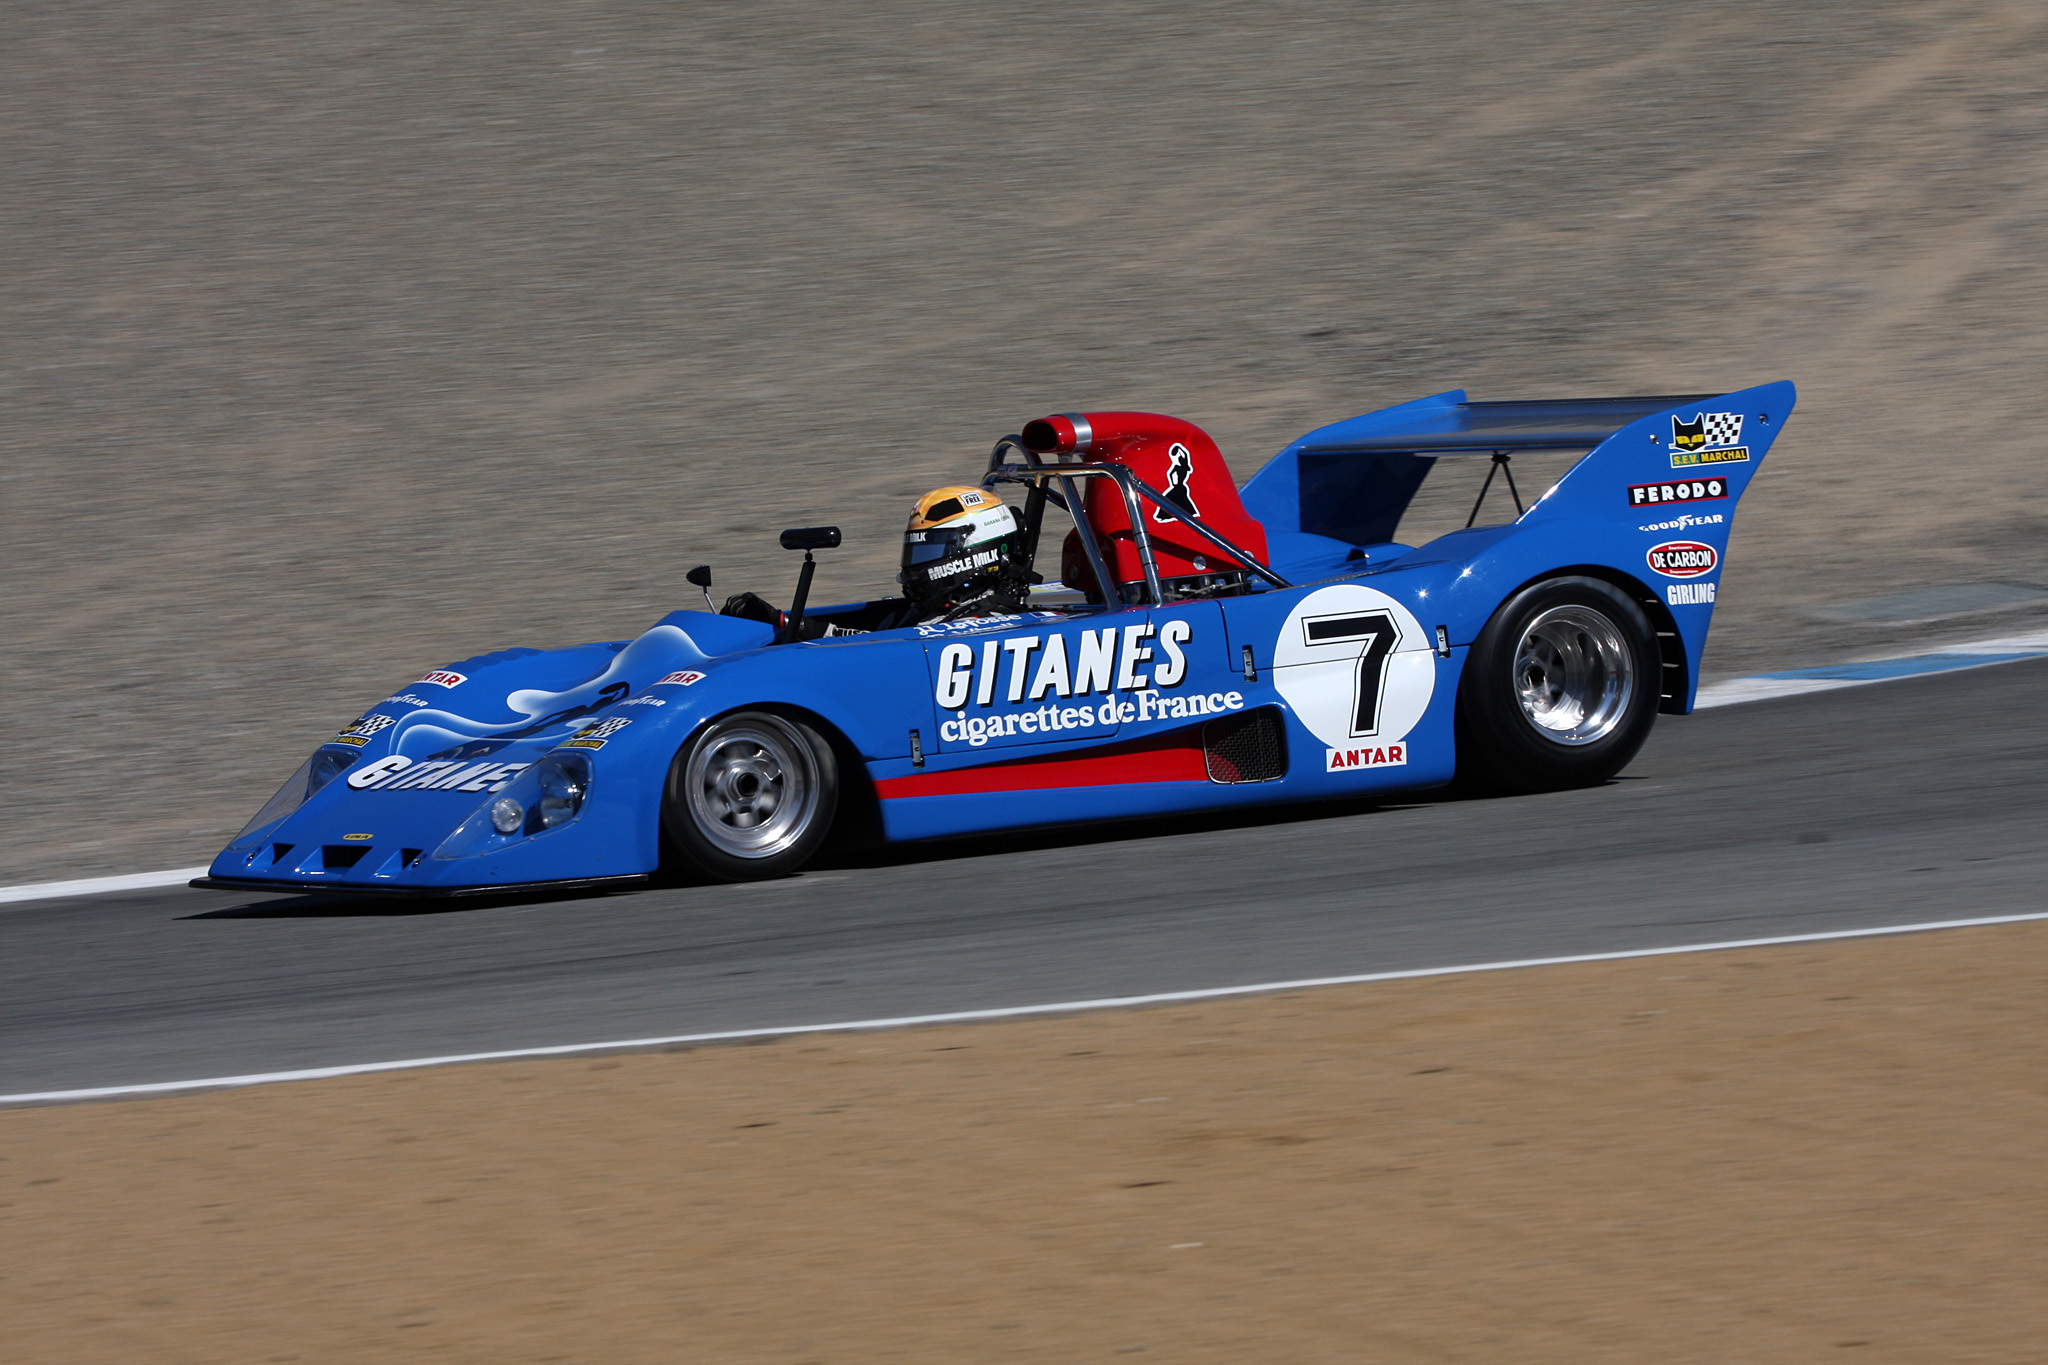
(1172, 757)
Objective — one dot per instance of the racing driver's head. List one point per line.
(961, 542)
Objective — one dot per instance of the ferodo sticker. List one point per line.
(1677, 490)
(441, 677)
(1683, 558)
(1355, 665)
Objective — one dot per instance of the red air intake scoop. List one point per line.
(1180, 462)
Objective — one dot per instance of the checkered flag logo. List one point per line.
(1724, 428)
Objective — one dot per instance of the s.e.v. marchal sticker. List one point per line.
(594, 736)
(361, 732)
(1709, 438)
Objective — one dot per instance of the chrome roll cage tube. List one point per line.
(1036, 473)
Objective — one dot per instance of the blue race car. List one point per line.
(1204, 648)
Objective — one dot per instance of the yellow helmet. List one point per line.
(961, 542)
(942, 505)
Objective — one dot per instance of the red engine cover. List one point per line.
(1173, 456)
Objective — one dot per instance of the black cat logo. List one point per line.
(1177, 491)
(1689, 435)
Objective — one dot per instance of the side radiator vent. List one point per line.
(1250, 746)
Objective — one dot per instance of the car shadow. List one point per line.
(1044, 838)
(341, 905)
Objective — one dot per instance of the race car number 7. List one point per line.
(1381, 635)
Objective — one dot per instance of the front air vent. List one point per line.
(409, 856)
(341, 857)
(277, 851)
(1247, 747)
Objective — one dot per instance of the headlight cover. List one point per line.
(316, 772)
(546, 796)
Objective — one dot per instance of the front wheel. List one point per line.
(752, 796)
(1560, 689)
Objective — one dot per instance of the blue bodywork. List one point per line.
(976, 725)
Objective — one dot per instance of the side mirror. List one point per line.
(700, 578)
(807, 539)
(810, 538)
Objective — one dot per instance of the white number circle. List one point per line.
(1354, 664)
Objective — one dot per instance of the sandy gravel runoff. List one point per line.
(339, 340)
(1795, 1154)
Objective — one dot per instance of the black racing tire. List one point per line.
(751, 796)
(1560, 689)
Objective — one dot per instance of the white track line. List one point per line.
(321, 1073)
(1728, 693)
(94, 886)
(1798, 682)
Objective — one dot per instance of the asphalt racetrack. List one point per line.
(1904, 802)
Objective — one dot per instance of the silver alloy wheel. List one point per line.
(752, 785)
(1574, 674)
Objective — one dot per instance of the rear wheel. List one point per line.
(751, 796)
(1560, 689)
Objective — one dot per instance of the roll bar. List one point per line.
(1037, 474)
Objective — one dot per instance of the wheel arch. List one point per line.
(856, 820)
(1674, 682)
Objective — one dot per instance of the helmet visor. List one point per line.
(929, 547)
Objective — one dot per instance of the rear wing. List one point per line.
(1353, 480)
(1653, 497)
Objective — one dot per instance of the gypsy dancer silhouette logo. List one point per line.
(1176, 490)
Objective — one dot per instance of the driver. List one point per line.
(963, 555)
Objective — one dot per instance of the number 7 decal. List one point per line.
(1380, 636)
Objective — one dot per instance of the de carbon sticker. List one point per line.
(1683, 558)
(1358, 670)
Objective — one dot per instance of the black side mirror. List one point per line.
(811, 538)
(807, 539)
(700, 577)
